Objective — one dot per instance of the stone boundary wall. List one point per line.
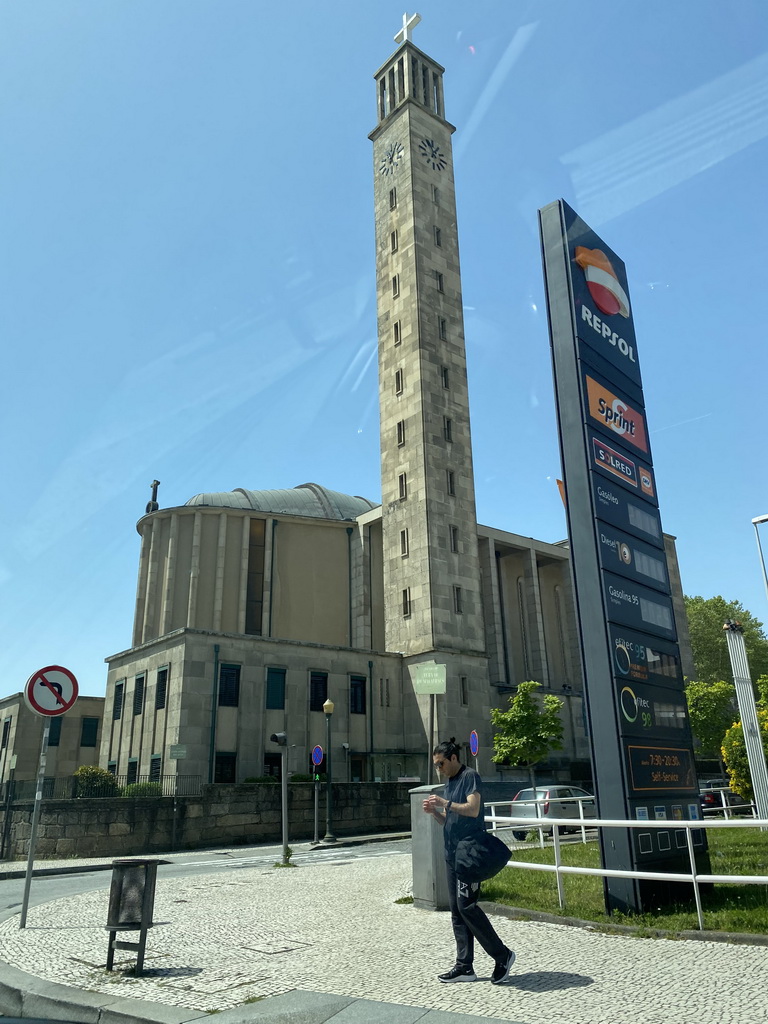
(224, 815)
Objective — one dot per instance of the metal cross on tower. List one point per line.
(409, 24)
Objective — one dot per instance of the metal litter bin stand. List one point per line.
(131, 902)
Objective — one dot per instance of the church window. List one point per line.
(458, 601)
(406, 602)
(382, 98)
(393, 198)
(117, 706)
(254, 594)
(229, 686)
(395, 286)
(275, 689)
(138, 695)
(54, 732)
(112, 767)
(463, 690)
(402, 485)
(404, 542)
(396, 335)
(398, 382)
(450, 481)
(89, 730)
(393, 241)
(318, 690)
(440, 281)
(161, 688)
(436, 195)
(133, 770)
(438, 237)
(155, 768)
(401, 433)
(445, 377)
(226, 767)
(6, 733)
(447, 428)
(357, 695)
(453, 533)
(442, 328)
(523, 631)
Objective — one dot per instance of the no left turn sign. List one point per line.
(51, 691)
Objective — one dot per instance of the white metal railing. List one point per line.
(725, 807)
(674, 825)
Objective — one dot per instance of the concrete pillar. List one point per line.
(430, 886)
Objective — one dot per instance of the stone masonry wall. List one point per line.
(222, 816)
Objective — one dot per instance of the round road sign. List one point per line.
(317, 755)
(51, 691)
(474, 743)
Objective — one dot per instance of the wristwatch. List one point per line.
(448, 806)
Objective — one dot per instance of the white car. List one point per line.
(552, 802)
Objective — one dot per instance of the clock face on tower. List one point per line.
(391, 159)
(433, 155)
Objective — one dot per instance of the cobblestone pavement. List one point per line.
(336, 927)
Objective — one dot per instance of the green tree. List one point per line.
(712, 711)
(710, 648)
(95, 781)
(735, 754)
(762, 693)
(529, 730)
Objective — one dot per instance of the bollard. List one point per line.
(430, 885)
(131, 902)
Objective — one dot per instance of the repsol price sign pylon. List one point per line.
(642, 749)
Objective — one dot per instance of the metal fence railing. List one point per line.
(70, 788)
(688, 829)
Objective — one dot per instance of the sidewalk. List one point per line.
(329, 942)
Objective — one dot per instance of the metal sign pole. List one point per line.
(431, 741)
(284, 802)
(35, 820)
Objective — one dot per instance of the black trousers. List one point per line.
(469, 921)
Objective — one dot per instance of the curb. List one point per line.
(637, 931)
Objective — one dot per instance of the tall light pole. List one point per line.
(745, 696)
(329, 837)
(756, 522)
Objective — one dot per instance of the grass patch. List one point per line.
(405, 899)
(727, 907)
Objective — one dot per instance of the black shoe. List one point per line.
(502, 969)
(458, 973)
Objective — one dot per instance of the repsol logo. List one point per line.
(605, 331)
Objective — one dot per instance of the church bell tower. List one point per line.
(431, 567)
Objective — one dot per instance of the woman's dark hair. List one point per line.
(448, 748)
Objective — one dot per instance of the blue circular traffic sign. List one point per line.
(317, 755)
(474, 743)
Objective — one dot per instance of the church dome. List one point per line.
(304, 500)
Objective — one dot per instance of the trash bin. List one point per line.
(131, 903)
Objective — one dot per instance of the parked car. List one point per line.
(711, 792)
(552, 802)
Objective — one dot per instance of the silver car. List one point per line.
(552, 802)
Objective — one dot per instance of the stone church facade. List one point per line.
(254, 607)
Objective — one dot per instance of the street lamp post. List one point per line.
(756, 522)
(329, 837)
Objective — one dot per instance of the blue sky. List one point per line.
(187, 268)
